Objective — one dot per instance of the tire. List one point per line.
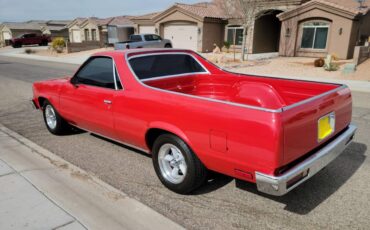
(168, 46)
(171, 154)
(53, 121)
(17, 45)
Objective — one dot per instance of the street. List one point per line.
(336, 198)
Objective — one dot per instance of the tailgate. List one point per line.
(300, 121)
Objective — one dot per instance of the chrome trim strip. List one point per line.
(112, 139)
(277, 185)
(197, 97)
(314, 98)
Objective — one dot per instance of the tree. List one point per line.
(245, 11)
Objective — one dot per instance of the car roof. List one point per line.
(116, 53)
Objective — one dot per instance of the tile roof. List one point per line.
(22, 26)
(147, 16)
(58, 22)
(349, 5)
(121, 21)
(54, 28)
(204, 10)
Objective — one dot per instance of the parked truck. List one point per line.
(143, 41)
(30, 39)
(193, 116)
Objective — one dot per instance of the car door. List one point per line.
(88, 100)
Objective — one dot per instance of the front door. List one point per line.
(88, 101)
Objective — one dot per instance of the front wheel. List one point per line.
(176, 165)
(168, 46)
(54, 122)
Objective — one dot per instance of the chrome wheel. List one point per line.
(172, 163)
(51, 119)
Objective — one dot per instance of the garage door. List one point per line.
(6, 35)
(147, 29)
(182, 36)
(76, 36)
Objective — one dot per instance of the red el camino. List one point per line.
(193, 117)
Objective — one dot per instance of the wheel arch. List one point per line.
(160, 128)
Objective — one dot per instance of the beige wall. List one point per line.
(89, 26)
(336, 44)
(213, 33)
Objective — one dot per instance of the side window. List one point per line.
(97, 72)
(152, 37)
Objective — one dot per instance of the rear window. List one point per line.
(155, 66)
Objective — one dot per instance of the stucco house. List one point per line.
(74, 30)
(192, 26)
(56, 28)
(106, 30)
(144, 24)
(8, 30)
(319, 27)
(120, 28)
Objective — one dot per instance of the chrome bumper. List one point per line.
(278, 185)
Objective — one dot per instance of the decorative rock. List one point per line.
(349, 68)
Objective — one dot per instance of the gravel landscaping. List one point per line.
(295, 67)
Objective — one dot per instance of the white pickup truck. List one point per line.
(143, 41)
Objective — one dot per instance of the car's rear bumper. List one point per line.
(280, 185)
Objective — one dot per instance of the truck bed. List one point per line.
(268, 93)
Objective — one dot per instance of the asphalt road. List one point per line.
(336, 198)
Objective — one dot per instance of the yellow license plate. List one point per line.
(326, 126)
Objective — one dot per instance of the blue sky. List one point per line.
(22, 10)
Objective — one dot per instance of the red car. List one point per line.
(30, 39)
(193, 117)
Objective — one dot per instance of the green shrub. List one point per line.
(329, 65)
(227, 45)
(58, 44)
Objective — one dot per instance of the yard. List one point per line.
(294, 67)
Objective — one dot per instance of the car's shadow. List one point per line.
(313, 192)
(303, 199)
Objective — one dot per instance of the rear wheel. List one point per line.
(176, 165)
(54, 122)
(168, 46)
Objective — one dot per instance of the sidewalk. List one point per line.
(39, 190)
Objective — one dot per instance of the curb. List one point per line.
(131, 215)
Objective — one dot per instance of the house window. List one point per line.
(93, 34)
(315, 35)
(235, 35)
(87, 35)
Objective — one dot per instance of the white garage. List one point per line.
(183, 36)
(76, 36)
(6, 35)
(147, 29)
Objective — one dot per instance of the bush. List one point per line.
(58, 44)
(29, 51)
(227, 45)
(319, 62)
(329, 65)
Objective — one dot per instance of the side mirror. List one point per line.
(74, 82)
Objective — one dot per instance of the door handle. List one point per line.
(108, 102)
